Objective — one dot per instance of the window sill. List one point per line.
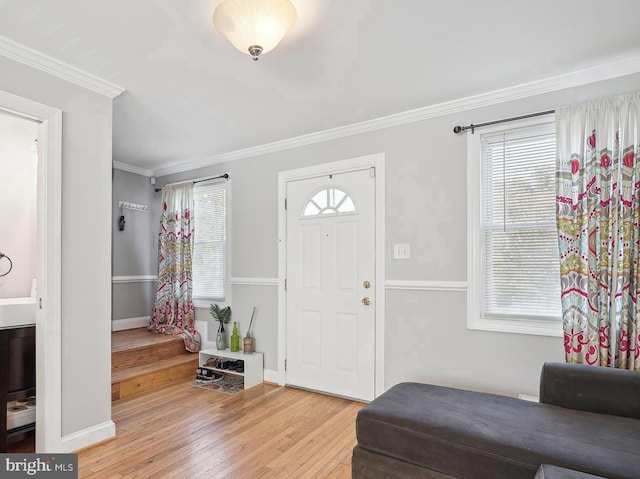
(522, 326)
(206, 303)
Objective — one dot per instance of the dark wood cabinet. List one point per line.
(17, 372)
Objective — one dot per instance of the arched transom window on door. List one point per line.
(329, 201)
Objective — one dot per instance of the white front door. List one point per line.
(330, 291)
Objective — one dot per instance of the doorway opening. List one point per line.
(46, 265)
(18, 258)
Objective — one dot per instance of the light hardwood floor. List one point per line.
(182, 432)
(131, 338)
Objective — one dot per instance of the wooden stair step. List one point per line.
(136, 347)
(131, 381)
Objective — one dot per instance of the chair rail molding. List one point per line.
(254, 281)
(399, 284)
(134, 279)
(422, 285)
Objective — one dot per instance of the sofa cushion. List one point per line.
(476, 435)
(591, 388)
(369, 465)
(554, 472)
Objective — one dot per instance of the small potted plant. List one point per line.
(223, 316)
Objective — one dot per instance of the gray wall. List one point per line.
(426, 335)
(86, 240)
(134, 249)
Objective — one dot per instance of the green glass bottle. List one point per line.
(235, 338)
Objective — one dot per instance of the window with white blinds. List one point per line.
(517, 266)
(210, 241)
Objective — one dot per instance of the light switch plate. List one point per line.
(401, 251)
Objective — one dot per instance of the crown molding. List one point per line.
(132, 169)
(602, 72)
(605, 71)
(60, 69)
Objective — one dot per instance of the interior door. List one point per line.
(329, 288)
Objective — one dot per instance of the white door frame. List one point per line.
(48, 317)
(378, 162)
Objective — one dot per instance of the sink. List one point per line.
(15, 312)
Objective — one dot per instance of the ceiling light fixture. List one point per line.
(254, 26)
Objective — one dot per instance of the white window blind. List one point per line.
(520, 270)
(210, 242)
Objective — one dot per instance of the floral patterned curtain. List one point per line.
(598, 216)
(173, 308)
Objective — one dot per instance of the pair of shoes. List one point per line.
(218, 363)
(237, 366)
(224, 364)
(212, 362)
(206, 375)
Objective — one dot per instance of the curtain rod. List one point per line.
(199, 180)
(472, 127)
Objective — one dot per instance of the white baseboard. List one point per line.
(272, 376)
(89, 436)
(129, 323)
(526, 397)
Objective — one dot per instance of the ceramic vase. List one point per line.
(221, 338)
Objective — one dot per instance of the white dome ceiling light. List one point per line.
(254, 26)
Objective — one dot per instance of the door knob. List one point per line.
(366, 301)
(366, 284)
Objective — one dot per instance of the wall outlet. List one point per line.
(401, 251)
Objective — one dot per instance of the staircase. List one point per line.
(142, 361)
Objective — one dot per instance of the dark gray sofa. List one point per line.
(588, 420)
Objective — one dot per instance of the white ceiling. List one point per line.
(191, 96)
